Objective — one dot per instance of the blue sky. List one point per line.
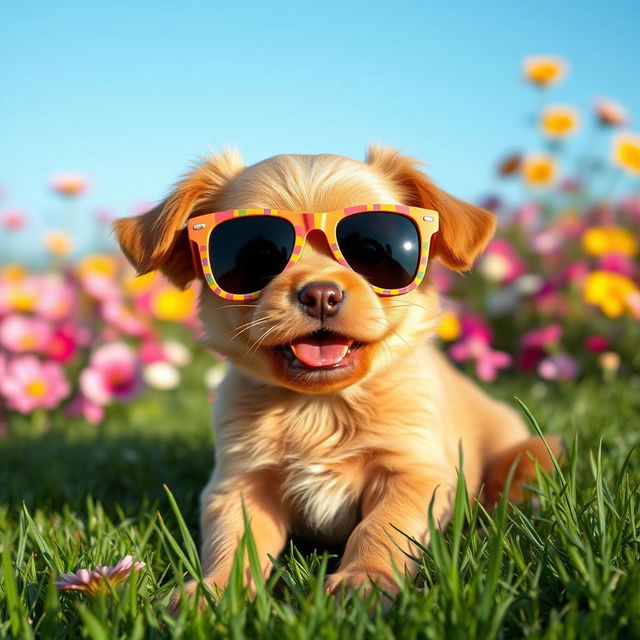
(130, 93)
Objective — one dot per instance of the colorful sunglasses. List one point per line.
(242, 250)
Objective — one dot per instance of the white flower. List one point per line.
(176, 353)
(213, 376)
(161, 375)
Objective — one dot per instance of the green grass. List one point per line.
(565, 565)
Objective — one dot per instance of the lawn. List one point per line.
(564, 565)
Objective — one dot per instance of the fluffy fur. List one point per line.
(345, 453)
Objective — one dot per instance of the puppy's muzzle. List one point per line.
(321, 299)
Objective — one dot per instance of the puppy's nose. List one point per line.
(321, 299)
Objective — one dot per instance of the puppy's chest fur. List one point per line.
(326, 450)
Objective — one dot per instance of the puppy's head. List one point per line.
(317, 327)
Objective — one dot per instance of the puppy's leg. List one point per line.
(375, 547)
(223, 525)
(508, 441)
(525, 455)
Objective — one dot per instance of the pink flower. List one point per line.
(120, 317)
(56, 297)
(617, 263)
(91, 412)
(543, 337)
(576, 272)
(631, 206)
(500, 262)
(559, 367)
(29, 384)
(92, 582)
(527, 216)
(152, 351)
(23, 334)
(13, 220)
(488, 361)
(112, 374)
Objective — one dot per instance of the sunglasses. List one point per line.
(242, 250)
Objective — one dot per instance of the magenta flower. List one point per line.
(500, 262)
(617, 263)
(24, 334)
(62, 345)
(543, 337)
(112, 374)
(597, 343)
(30, 384)
(101, 579)
(559, 367)
(488, 361)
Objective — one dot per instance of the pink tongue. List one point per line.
(321, 351)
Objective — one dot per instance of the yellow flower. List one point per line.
(449, 327)
(69, 184)
(559, 121)
(58, 243)
(612, 292)
(13, 272)
(539, 170)
(544, 70)
(22, 299)
(173, 305)
(98, 263)
(601, 240)
(141, 284)
(626, 152)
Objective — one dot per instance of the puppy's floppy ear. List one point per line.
(158, 239)
(464, 228)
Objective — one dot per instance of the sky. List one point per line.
(131, 93)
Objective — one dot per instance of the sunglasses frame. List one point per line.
(201, 227)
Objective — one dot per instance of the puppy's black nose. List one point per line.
(321, 299)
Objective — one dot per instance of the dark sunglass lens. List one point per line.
(246, 253)
(382, 247)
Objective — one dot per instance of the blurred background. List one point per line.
(529, 110)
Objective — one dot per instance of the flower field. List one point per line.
(103, 398)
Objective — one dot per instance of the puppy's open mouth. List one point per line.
(319, 350)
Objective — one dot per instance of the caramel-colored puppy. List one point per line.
(344, 451)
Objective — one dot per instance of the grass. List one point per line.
(564, 565)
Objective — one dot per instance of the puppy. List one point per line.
(338, 417)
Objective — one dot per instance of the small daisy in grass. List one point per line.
(92, 582)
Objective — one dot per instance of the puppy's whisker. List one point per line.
(249, 325)
(256, 345)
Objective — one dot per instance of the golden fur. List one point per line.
(347, 453)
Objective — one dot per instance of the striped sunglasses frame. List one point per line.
(200, 228)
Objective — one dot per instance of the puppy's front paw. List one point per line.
(352, 579)
(190, 589)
